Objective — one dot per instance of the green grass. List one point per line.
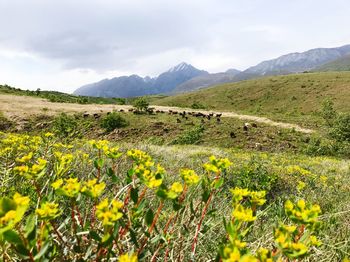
(292, 98)
(164, 129)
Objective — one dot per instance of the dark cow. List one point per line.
(232, 135)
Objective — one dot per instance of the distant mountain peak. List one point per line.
(180, 67)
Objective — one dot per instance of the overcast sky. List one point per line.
(61, 45)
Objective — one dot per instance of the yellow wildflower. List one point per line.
(92, 188)
(243, 214)
(48, 211)
(128, 258)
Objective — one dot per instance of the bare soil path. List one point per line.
(19, 107)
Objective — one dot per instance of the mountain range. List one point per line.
(185, 78)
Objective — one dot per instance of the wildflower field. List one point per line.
(88, 200)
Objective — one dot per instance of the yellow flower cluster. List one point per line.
(100, 144)
(68, 187)
(12, 211)
(30, 170)
(217, 165)
(145, 169)
(287, 240)
(48, 211)
(243, 214)
(174, 191)
(302, 213)
(139, 156)
(128, 258)
(109, 213)
(92, 188)
(255, 197)
(189, 176)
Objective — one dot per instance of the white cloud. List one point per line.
(64, 44)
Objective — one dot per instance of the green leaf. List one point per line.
(12, 237)
(22, 251)
(133, 237)
(98, 163)
(29, 230)
(149, 217)
(112, 175)
(42, 251)
(218, 183)
(205, 195)
(95, 236)
(162, 193)
(134, 193)
(6, 205)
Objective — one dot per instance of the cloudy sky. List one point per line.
(61, 45)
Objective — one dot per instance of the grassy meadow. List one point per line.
(161, 187)
(292, 98)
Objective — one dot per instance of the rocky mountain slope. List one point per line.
(185, 78)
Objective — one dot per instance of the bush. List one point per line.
(113, 121)
(190, 137)
(141, 104)
(5, 123)
(328, 112)
(197, 105)
(65, 125)
(340, 129)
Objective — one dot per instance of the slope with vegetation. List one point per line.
(297, 98)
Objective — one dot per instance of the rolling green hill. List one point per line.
(341, 64)
(295, 97)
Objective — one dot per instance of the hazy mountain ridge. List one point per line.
(185, 78)
(134, 85)
(298, 62)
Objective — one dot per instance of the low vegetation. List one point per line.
(91, 200)
(291, 98)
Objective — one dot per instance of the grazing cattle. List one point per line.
(97, 116)
(246, 127)
(131, 110)
(85, 115)
(121, 110)
(258, 146)
(254, 125)
(157, 111)
(208, 117)
(232, 135)
(178, 120)
(108, 113)
(211, 114)
(186, 117)
(218, 115)
(218, 119)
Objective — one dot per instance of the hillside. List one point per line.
(204, 81)
(297, 62)
(341, 64)
(291, 97)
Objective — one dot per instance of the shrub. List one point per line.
(328, 112)
(5, 123)
(340, 129)
(190, 137)
(197, 105)
(113, 121)
(141, 104)
(65, 125)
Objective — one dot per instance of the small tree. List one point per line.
(340, 130)
(113, 121)
(328, 112)
(141, 104)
